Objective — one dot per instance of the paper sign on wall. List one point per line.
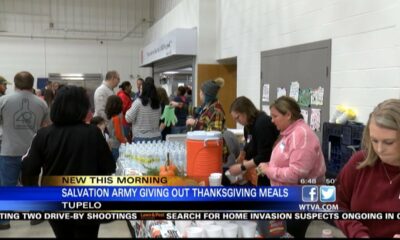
(304, 97)
(265, 93)
(280, 92)
(317, 96)
(304, 112)
(294, 90)
(315, 121)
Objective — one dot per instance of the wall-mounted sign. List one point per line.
(180, 41)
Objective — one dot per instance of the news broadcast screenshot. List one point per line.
(68, 173)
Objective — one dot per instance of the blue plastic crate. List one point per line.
(357, 132)
(346, 134)
(340, 155)
(335, 129)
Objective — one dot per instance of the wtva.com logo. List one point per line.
(326, 193)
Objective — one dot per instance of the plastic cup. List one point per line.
(222, 222)
(214, 182)
(215, 179)
(194, 232)
(230, 230)
(213, 231)
(216, 175)
(181, 225)
(248, 229)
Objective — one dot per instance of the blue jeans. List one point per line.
(138, 139)
(178, 129)
(127, 132)
(10, 168)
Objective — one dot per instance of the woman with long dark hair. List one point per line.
(144, 115)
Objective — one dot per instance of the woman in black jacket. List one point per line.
(260, 135)
(69, 147)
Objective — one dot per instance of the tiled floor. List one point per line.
(119, 229)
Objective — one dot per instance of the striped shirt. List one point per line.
(144, 119)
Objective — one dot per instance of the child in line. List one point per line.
(113, 111)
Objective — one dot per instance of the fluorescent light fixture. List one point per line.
(72, 75)
(170, 72)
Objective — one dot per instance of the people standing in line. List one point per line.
(181, 110)
(21, 113)
(297, 154)
(125, 95)
(211, 115)
(370, 180)
(69, 147)
(139, 85)
(260, 135)
(3, 88)
(105, 90)
(164, 101)
(144, 115)
(114, 125)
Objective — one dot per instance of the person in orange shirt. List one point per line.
(125, 95)
(113, 111)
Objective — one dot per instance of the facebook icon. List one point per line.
(309, 193)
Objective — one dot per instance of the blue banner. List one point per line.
(150, 194)
(108, 198)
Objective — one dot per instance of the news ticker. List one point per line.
(204, 215)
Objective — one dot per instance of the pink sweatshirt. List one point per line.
(297, 155)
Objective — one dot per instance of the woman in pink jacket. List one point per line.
(296, 156)
(297, 153)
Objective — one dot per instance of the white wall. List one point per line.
(43, 56)
(162, 7)
(190, 14)
(365, 43)
(87, 36)
(184, 15)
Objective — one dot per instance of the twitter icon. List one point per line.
(327, 193)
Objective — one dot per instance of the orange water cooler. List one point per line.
(204, 154)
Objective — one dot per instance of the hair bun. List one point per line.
(220, 82)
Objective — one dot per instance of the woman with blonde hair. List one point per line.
(370, 181)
